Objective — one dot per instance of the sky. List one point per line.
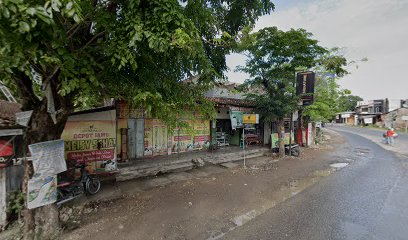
(375, 29)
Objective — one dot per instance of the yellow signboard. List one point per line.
(251, 118)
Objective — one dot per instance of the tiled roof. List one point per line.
(231, 101)
(8, 112)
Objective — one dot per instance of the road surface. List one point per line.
(367, 199)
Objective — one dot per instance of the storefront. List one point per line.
(142, 136)
(234, 121)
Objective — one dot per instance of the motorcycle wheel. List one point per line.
(295, 152)
(92, 185)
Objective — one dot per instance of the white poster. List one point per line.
(48, 158)
(368, 120)
(41, 191)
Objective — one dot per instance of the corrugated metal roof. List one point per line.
(8, 112)
(231, 101)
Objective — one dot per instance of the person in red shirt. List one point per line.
(390, 136)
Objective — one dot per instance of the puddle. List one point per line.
(338, 165)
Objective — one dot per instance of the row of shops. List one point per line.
(90, 136)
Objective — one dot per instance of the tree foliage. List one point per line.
(274, 57)
(139, 48)
(71, 53)
(348, 102)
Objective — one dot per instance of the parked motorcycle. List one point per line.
(293, 149)
(69, 190)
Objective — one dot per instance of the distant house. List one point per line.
(395, 118)
(349, 118)
(369, 112)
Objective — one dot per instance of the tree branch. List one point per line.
(26, 91)
(93, 39)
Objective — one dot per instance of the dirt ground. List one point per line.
(206, 207)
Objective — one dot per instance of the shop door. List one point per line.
(139, 138)
(132, 138)
(136, 138)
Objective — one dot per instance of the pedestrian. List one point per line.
(390, 136)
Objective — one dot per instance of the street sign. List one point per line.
(305, 82)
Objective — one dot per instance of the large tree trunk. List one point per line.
(43, 222)
(281, 133)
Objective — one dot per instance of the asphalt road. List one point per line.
(368, 199)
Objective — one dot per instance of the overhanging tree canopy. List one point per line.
(61, 54)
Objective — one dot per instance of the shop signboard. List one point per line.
(251, 119)
(305, 86)
(236, 119)
(92, 143)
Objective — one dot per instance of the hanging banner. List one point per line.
(236, 119)
(48, 158)
(41, 191)
(6, 148)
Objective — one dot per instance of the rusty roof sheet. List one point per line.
(8, 112)
(231, 101)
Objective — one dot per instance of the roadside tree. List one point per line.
(61, 55)
(274, 56)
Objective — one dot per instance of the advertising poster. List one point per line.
(275, 139)
(148, 137)
(201, 134)
(6, 148)
(48, 157)
(92, 143)
(41, 191)
(236, 119)
(183, 138)
(155, 137)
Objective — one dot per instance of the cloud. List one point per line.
(373, 29)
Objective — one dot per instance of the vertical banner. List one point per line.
(41, 191)
(236, 119)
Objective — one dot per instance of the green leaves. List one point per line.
(23, 27)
